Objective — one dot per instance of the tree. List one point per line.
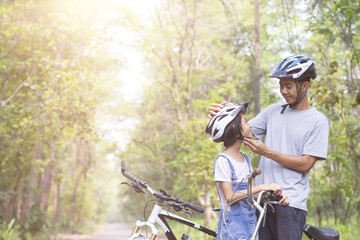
(51, 76)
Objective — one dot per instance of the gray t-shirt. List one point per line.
(294, 133)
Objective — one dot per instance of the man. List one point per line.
(296, 135)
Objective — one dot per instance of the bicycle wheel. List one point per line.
(138, 236)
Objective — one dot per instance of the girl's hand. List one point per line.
(276, 188)
(215, 108)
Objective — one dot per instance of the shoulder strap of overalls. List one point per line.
(248, 161)
(233, 175)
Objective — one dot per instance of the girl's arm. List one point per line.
(241, 195)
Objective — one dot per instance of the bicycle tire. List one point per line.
(138, 236)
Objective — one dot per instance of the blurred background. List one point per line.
(85, 84)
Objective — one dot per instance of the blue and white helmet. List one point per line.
(217, 124)
(295, 67)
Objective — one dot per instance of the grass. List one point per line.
(348, 231)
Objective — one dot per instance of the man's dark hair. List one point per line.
(302, 80)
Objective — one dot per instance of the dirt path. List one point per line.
(110, 231)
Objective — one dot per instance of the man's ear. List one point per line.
(305, 85)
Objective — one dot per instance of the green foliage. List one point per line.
(9, 231)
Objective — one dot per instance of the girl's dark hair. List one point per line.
(232, 130)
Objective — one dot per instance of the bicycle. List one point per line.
(159, 216)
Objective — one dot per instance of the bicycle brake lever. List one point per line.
(272, 207)
(126, 183)
(136, 186)
(187, 211)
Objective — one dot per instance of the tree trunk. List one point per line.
(56, 203)
(318, 211)
(257, 73)
(28, 197)
(45, 184)
(208, 209)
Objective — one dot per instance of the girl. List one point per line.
(237, 220)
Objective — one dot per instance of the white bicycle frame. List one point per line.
(262, 211)
(158, 217)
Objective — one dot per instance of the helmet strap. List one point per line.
(240, 138)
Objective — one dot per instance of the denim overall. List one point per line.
(240, 220)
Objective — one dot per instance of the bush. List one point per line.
(9, 231)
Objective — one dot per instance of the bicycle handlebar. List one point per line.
(160, 195)
(270, 195)
(194, 207)
(131, 177)
(255, 173)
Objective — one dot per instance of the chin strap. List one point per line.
(283, 108)
(240, 138)
(298, 99)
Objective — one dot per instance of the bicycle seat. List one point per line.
(320, 233)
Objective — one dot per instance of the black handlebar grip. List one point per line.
(255, 173)
(274, 197)
(194, 207)
(130, 176)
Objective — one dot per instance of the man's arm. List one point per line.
(298, 163)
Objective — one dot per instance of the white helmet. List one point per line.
(216, 126)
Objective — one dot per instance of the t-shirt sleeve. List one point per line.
(222, 172)
(259, 123)
(317, 143)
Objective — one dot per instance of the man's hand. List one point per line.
(284, 201)
(215, 108)
(298, 163)
(256, 146)
(276, 188)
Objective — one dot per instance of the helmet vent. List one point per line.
(285, 67)
(294, 71)
(221, 117)
(215, 132)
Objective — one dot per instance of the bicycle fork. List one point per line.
(149, 223)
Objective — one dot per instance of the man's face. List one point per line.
(288, 90)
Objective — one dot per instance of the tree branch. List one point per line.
(19, 87)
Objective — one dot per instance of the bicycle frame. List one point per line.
(159, 216)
